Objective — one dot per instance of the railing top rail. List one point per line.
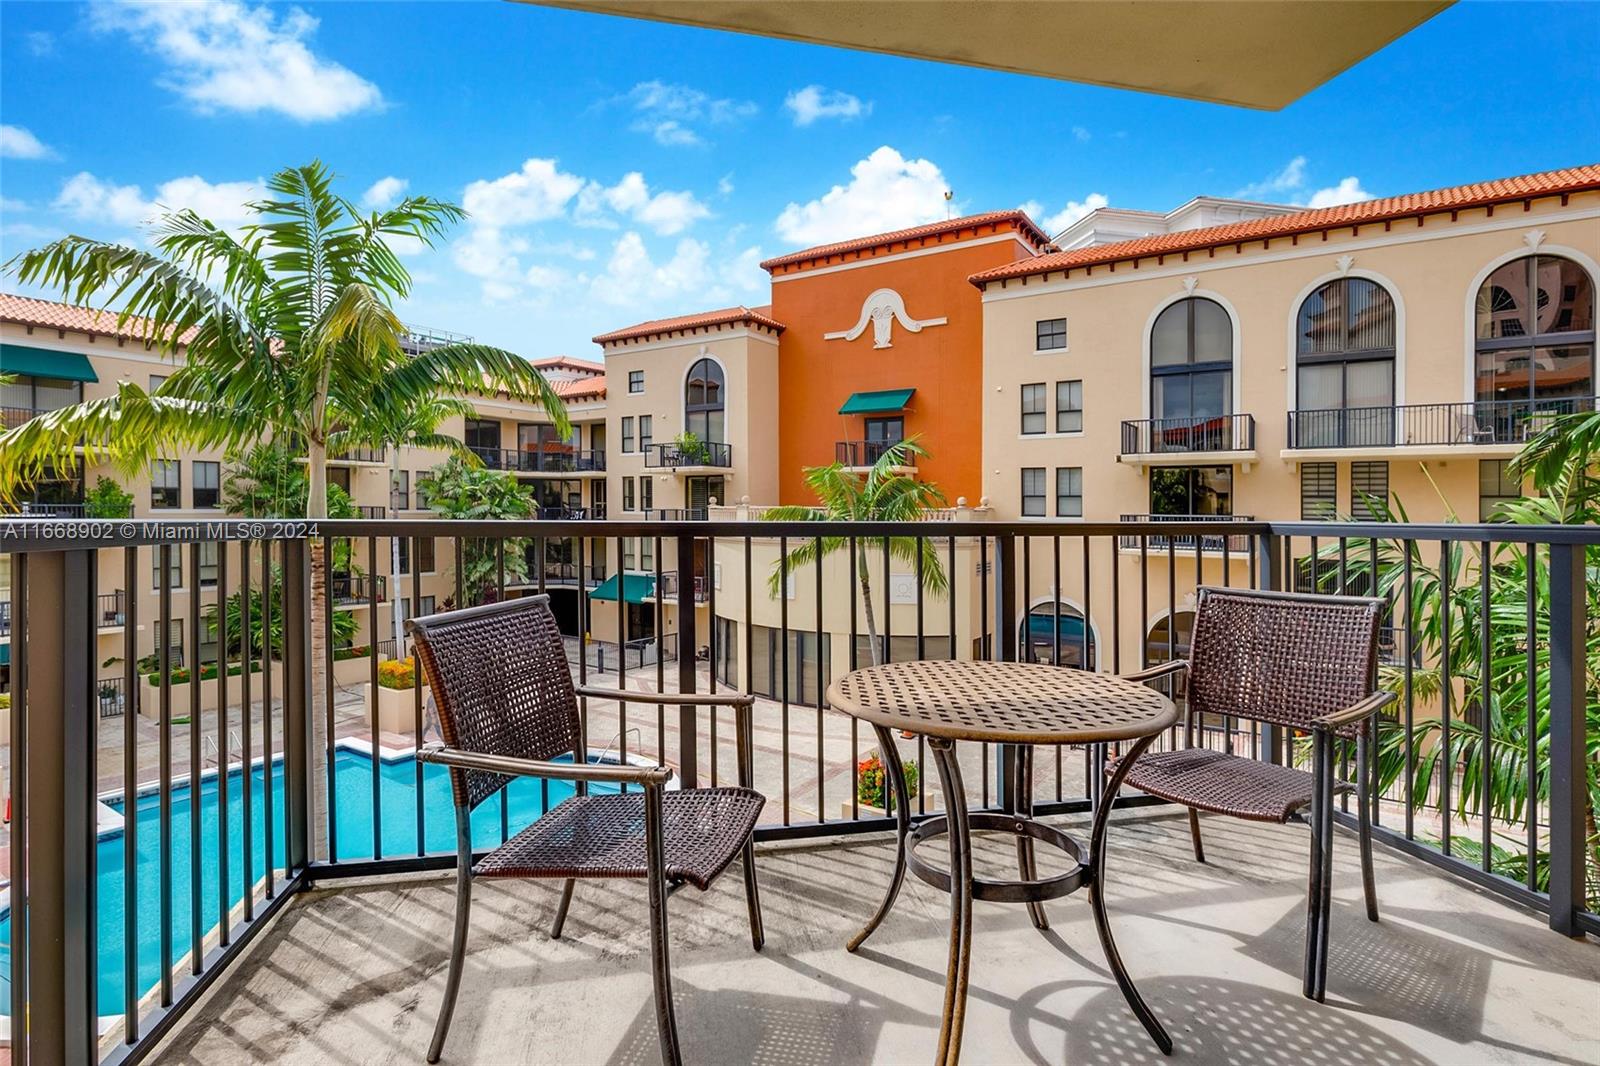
(57, 534)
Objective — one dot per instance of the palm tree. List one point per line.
(882, 494)
(288, 328)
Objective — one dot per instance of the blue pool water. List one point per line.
(353, 781)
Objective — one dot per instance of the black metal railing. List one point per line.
(1482, 422)
(347, 589)
(360, 454)
(1166, 436)
(113, 609)
(563, 513)
(548, 460)
(268, 742)
(371, 510)
(34, 509)
(865, 452)
(12, 417)
(706, 453)
(1214, 538)
(675, 514)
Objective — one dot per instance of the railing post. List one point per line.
(63, 1016)
(1269, 569)
(688, 716)
(1568, 783)
(297, 705)
(1005, 632)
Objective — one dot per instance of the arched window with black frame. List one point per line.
(1344, 366)
(1191, 377)
(703, 402)
(1056, 633)
(1535, 343)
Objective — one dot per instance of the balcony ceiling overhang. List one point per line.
(1241, 52)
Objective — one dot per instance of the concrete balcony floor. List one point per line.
(354, 974)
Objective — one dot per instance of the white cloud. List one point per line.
(664, 212)
(632, 278)
(1289, 185)
(1081, 133)
(814, 102)
(725, 185)
(1348, 191)
(538, 191)
(9, 204)
(224, 55)
(40, 43)
(674, 114)
(886, 191)
(91, 199)
(19, 143)
(1074, 210)
(384, 192)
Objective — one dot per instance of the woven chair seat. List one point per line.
(704, 829)
(1225, 784)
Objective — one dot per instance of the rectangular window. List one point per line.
(627, 494)
(1032, 491)
(1033, 416)
(1495, 487)
(1069, 407)
(1050, 334)
(636, 381)
(209, 550)
(1319, 491)
(647, 493)
(207, 484)
(647, 553)
(424, 554)
(400, 490)
(627, 435)
(644, 432)
(1199, 491)
(423, 481)
(1369, 491)
(156, 380)
(1069, 492)
(165, 483)
(627, 555)
(174, 567)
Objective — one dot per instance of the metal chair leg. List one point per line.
(660, 960)
(752, 896)
(1097, 898)
(458, 944)
(1314, 881)
(1364, 800)
(1194, 835)
(902, 815)
(1325, 921)
(561, 909)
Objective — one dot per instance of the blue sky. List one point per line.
(617, 171)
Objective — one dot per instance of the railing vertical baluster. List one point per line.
(855, 723)
(622, 661)
(783, 660)
(1408, 695)
(298, 784)
(330, 764)
(499, 597)
(1485, 671)
(246, 740)
(822, 669)
(414, 564)
(416, 701)
(685, 577)
(688, 715)
(269, 832)
(1531, 755)
(1447, 756)
(196, 668)
(1268, 555)
(1005, 624)
(713, 649)
(130, 806)
(164, 754)
(20, 881)
(223, 717)
(1568, 778)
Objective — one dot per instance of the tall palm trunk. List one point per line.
(863, 570)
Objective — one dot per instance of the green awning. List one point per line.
(876, 403)
(636, 588)
(44, 363)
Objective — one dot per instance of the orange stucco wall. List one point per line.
(943, 363)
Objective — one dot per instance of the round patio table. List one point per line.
(1018, 705)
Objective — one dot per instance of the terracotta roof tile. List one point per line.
(49, 314)
(592, 388)
(1479, 194)
(1032, 233)
(567, 362)
(755, 316)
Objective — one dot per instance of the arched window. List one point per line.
(703, 413)
(1535, 344)
(1170, 638)
(1344, 366)
(1191, 375)
(1061, 639)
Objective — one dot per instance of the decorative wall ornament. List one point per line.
(882, 308)
(1533, 238)
(1345, 262)
(1189, 284)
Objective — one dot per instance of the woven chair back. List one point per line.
(502, 686)
(1281, 658)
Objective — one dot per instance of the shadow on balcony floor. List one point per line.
(354, 974)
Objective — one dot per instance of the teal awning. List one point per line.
(874, 403)
(636, 588)
(44, 363)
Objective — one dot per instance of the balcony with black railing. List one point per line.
(1183, 440)
(1500, 424)
(1208, 533)
(36, 509)
(347, 590)
(669, 587)
(550, 460)
(688, 456)
(864, 453)
(359, 454)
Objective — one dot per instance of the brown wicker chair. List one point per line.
(507, 706)
(1299, 662)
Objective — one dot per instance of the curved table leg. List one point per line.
(902, 814)
(1022, 806)
(1097, 901)
(960, 833)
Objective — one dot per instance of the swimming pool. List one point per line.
(353, 808)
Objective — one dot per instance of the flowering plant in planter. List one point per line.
(398, 673)
(872, 777)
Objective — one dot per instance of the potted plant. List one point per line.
(107, 500)
(692, 451)
(395, 701)
(873, 791)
